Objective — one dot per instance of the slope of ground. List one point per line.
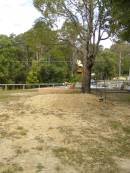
(63, 133)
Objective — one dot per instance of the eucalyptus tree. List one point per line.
(122, 51)
(11, 68)
(120, 12)
(39, 38)
(90, 20)
(69, 35)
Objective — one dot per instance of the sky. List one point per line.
(18, 16)
(106, 43)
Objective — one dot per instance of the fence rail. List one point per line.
(29, 86)
(108, 85)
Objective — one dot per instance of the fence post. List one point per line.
(6, 88)
(23, 87)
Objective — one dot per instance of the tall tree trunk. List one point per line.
(86, 79)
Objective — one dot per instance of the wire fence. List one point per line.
(107, 89)
(113, 90)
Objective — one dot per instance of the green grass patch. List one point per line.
(116, 125)
(119, 97)
(90, 160)
(39, 167)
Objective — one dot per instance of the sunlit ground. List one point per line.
(66, 133)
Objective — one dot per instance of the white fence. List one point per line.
(29, 86)
(95, 84)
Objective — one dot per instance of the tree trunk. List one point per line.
(86, 79)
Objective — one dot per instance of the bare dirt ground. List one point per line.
(63, 133)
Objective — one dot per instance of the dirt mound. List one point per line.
(55, 90)
(68, 133)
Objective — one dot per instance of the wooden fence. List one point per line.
(29, 86)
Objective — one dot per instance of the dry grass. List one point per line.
(14, 168)
(64, 133)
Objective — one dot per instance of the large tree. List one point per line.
(11, 68)
(122, 51)
(90, 19)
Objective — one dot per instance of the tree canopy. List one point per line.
(120, 12)
(34, 56)
(49, 53)
(87, 23)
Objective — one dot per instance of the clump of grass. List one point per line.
(14, 168)
(39, 148)
(122, 145)
(58, 168)
(66, 130)
(127, 129)
(19, 150)
(39, 139)
(69, 156)
(4, 117)
(13, 134)
(22, 131)
(3, 133)
(120, 141)
(88, 159)
(20, 128)
(39, 167)
(116, 125)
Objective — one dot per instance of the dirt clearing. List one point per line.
(63, 133)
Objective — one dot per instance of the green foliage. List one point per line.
(123, 50)
(106, 65)
(32, 76)
(126, 65)
(75, 78)
(107, 61)
(120, 12)
(51, 73)
(34, 56)
(11, 70)
(5, 41)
